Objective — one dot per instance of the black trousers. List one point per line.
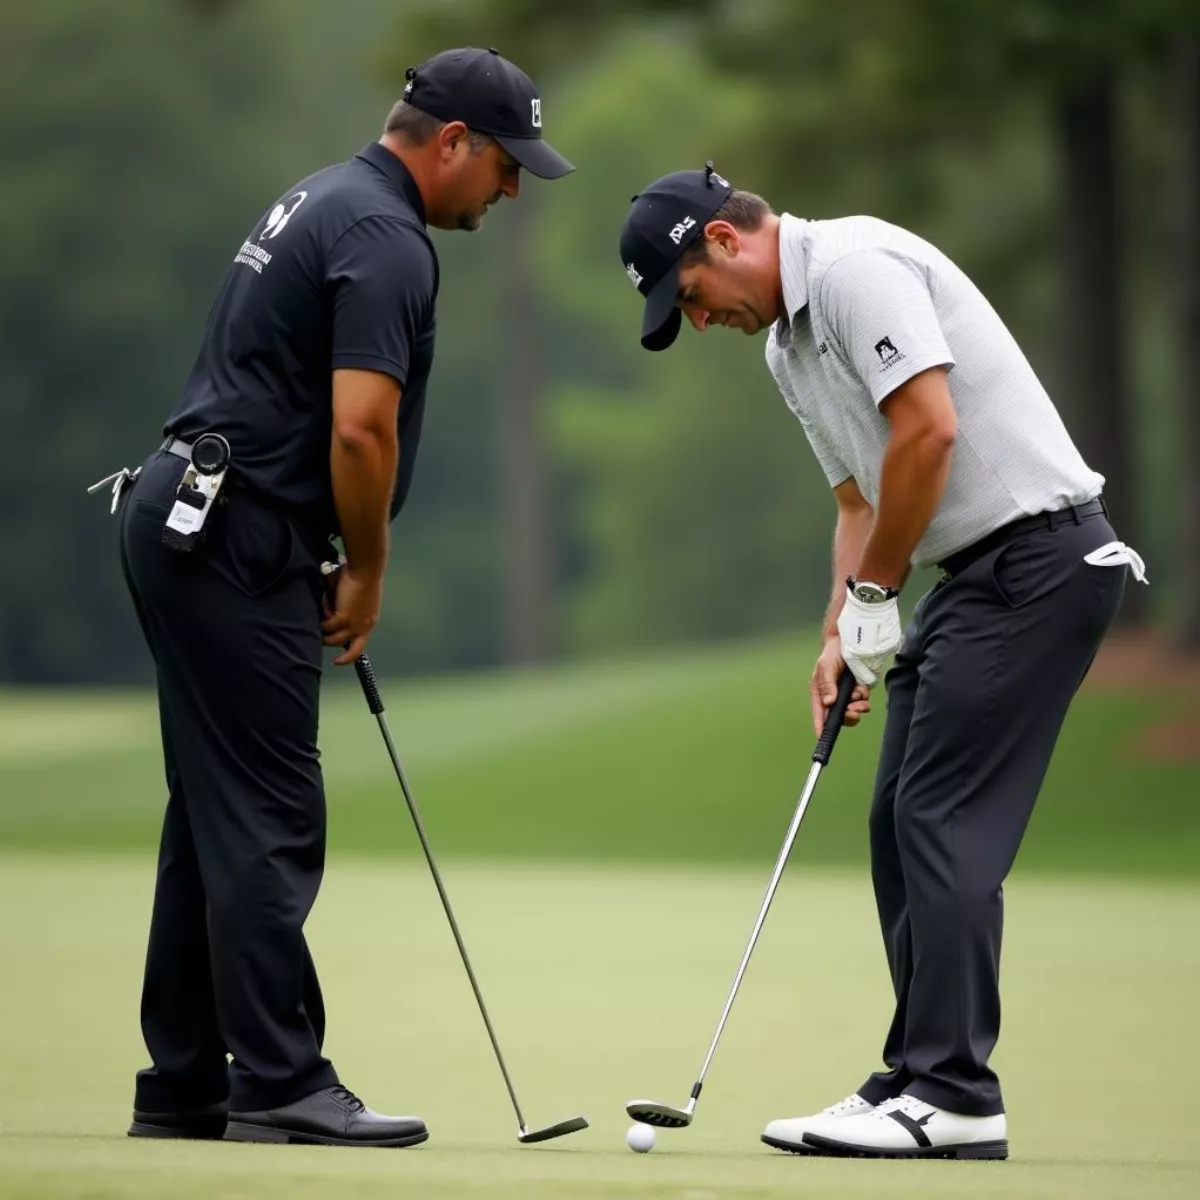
(975, 703)
(231, 1006)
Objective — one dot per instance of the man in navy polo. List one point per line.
(313, 370)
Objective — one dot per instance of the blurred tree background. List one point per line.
(576, 495)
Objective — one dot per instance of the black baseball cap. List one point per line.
(489, 95)
(666, 218)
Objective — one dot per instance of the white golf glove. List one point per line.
(870, 635)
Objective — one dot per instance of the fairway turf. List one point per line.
(605, 983)
(689, 757)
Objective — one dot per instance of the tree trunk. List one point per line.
(528, 588)
(1093, 326)
(1187, 272)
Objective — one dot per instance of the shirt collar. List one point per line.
(380, 157)
(793, 264)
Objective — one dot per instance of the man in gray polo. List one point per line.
(942, 448)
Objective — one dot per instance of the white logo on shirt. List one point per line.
(252, 254)
(537, 112)
(677, 233)
(281, 214)
(633, 274)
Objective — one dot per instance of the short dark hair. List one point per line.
(418, 128)
(743, 210)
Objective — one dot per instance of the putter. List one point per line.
(366, 676)
(665, 1116)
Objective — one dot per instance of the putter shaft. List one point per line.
(366, 677)
(437, 879)
(661, 1114)
(776, 876)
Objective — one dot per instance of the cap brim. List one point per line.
(662, 319)
(537, 157)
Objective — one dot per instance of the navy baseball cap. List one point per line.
(489, 95)
(666, 218)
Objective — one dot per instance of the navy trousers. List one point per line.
(231, 1006)
(975, 703)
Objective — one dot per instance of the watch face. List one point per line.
(869, 594)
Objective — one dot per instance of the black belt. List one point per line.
(181, 449)
(235, 482)
(177, 447)
(960, 560)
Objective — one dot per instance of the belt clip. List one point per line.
(197, 491)
(118, 479)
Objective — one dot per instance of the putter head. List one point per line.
(650, 1112)
(573, 1125)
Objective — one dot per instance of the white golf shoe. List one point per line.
(909, 1128)
(787, 1133)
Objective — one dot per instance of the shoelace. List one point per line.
(344, 1093)
(909, 1105)
(841, 1106)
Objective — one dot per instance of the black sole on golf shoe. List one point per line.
(242, 1131)
(189, 1125)
(790, 1147)
(144, 1129)
(966, 1150)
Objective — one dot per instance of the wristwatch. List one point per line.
(870, 593)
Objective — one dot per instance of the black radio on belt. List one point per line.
(196, 492)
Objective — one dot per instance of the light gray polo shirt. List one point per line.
(870, 305)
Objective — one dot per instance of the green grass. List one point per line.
(688, 757)
(604, 983)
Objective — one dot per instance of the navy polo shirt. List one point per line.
(339, 272)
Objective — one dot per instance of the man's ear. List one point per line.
(724, 236)
(451, 136)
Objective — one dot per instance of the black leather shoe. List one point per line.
(334, 1116)
(195, 1124)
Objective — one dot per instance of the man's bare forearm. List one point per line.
(363, 469)
(912, 480)
(849, 538)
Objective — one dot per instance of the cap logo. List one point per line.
(633, 274)
(682, 228)
(536, 104)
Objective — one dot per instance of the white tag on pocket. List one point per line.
(193, 501)
(1117, 554)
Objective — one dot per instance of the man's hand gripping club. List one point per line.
(350, 610)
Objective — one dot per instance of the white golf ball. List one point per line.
(640, 1138)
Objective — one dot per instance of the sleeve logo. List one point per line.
(252, 254)
(281, 214)
(888, 354)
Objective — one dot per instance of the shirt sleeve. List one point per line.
(879, 307)
(382, 278)
(835, 470)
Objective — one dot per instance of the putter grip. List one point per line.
(834, 718)
(366, 676)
